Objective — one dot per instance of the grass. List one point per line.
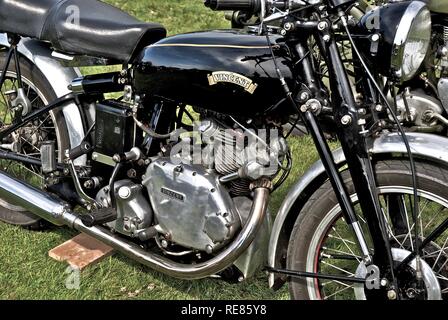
(26, 271)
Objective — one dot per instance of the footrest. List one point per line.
(99, 216)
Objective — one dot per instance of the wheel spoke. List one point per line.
(440, 253)
(338, 268)
(342, 252)
(337, 292)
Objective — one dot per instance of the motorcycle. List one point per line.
(176, 172)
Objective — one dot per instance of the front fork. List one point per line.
(355, 149)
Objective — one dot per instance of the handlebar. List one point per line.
(250, 6)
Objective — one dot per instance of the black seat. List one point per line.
(83, 27)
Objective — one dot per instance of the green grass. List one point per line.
(26, 271)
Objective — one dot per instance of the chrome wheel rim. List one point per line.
(438, 259)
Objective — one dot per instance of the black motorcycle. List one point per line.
(176, 172)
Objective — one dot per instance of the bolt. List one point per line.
(124, 192)
(304, 96)
(132, 173)
(178, 169)
(391, 295)
(94, 156)
(361, 122)
(326, 38)
(411, 293)
(346, 120)
(88, 184)
(314, 105)
(375, 37)
(283, 32)
(362, 111)
(164, 243)
(384, 282)
(378, 108)
(304, 108)
(208, 249)
(288, 26)
(322, 25)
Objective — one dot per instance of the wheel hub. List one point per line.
(432, 286)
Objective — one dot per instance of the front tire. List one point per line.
(322, 242)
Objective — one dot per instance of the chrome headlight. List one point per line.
(411, 41)
(402, 33)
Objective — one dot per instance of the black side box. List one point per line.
(115, 130)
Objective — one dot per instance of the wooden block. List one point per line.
(81, 251)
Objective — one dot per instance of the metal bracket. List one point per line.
(85, 199)
(303, 274)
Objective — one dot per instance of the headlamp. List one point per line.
(405, 33)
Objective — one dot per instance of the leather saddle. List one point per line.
(82, 27)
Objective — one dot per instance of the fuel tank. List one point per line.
(226, 71)
(440, 6)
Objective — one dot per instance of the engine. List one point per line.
(198, 188)
(191, 206)
(194, 192)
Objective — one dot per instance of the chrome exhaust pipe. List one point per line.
(56, 211)
(33, 200)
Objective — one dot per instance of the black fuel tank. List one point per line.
(225, 71)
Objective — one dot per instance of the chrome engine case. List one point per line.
(191, 207)
(419, 104)
(134, 213)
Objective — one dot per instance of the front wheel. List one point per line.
(322, 242)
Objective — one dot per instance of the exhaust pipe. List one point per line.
(58, 212)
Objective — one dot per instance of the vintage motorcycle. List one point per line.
(187, 193)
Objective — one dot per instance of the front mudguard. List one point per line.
(40, 54)
(424, 146)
